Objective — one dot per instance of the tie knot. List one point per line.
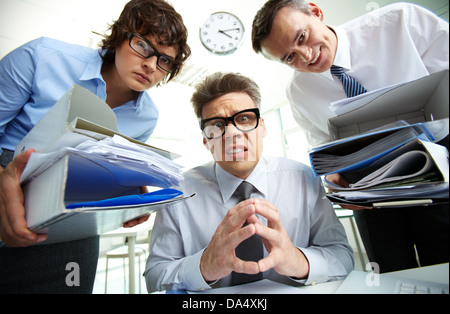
(335, 70)
(351, 86)
(245, 190)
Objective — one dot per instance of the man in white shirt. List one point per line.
(397, 43)
(193, 242)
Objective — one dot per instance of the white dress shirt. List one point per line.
(397, 43)
(183, 231)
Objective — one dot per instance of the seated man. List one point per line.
(197, 244)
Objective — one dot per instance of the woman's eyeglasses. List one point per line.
(143, 48)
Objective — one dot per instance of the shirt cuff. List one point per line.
(191, 275)
(318, 268)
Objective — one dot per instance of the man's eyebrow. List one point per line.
(297, 35)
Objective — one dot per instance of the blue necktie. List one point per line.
(351, 86)
(250, 249)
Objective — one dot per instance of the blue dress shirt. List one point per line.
(36, 75)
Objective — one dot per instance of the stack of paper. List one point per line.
(86, 177)
(114, 154)
(415, 173)
(360, 151)
(399, 166)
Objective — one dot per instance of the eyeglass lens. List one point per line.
(243, 121)
(143, 48)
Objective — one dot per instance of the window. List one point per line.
(284, 137)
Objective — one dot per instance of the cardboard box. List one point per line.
(425, 99)
(77, 116)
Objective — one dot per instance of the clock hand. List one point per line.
(232, 29)
(223, 32)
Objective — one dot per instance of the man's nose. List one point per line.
(231, 130)
(304, 53)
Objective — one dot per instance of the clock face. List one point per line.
(222, 33)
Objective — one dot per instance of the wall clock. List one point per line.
(222, 33)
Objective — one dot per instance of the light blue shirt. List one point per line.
(182, 231)
(36, 75)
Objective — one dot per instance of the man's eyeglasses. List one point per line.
(143, 48)
(245, 121)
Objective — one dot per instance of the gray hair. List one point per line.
(263, 21)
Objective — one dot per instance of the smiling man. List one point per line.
(394, 44)
(197, 244)
(397, 43)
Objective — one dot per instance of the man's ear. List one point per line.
(206, 143)
(316, 11)
(264, 129)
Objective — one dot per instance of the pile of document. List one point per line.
(391, 166)
(85, 178)
(118, 155)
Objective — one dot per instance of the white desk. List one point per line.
(368, 283)
(436, 273)
(131, 234)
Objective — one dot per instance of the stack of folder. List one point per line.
(392, 166)
(85, 178)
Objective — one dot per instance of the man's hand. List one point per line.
(139, 220)
(136, 221)
(340, 180)
(219, 258)
(13, 226)
(283, 256)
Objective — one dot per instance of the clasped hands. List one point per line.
(219, 258)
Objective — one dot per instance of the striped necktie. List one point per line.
(351, 86)
(250, 249)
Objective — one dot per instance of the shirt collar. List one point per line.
(228, 183)
(93, 68)
(342, 57)
(93, 71)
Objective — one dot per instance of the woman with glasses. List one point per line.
(146, 47)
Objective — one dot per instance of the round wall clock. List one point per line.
(222, 33)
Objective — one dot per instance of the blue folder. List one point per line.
(140, 199)
(327, 158)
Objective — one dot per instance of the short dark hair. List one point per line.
(219, 84)
(263, 21)
(149, 17)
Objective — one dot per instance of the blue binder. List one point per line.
(141, 199)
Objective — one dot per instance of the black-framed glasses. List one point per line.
(245, 121)
(143, 48)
